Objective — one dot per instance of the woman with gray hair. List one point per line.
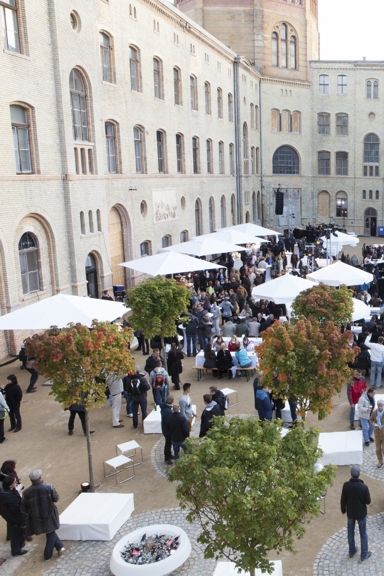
(377, 419)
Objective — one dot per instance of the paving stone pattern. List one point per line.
(333, 558)
(369, 466)
(92, 558)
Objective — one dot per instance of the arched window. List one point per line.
(292, 53)
(82, 222)
(256, 117)
(219, 103)
(324, 163)
(341, 205)
(283, 46)
(371, 155)
(252, 109)
(211, 214)
(110, 137)
(223, 212)
(29, 263)
(138, 140)
(364, 194)
(323, 123)
(177, 87)
(296, 122)
(98, 218)
(166, 241)
(253, 160)
(232, 159)
(209, 157)
(184, 236)
(195, 155)
(198, 218)
(376, 89)
(207, 88)
(247, 216)
(79, 107)
(106, 57)
(193, 92)
(342, 163)
(245, 147)
(275, 120)
(370, 194)
(369, 89)
(233, 209)
(90, 220)
(21, 140)
(275, 53)
(230, 107)
(92, 276)
(285, 161)
(161, 152)
(285, 121)
(323, 204)
(134, 68)
(254, 207)
(221, 158)
(180, 154)
(158, 78)
(257, 160)
(146, 248)
(258, 205)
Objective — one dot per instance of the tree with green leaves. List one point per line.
(324, 303)
(250, 488)
(157, 304)
(77, 359)
(311, 360)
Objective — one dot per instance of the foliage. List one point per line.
(156, 306)
(311, 362)
(75, 356)
(325, 303)
(250, 488)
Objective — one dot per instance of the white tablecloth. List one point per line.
(152, 423)
(95, 516)
(254, 341)
(228, 569)
(251, 355)
(341, 448)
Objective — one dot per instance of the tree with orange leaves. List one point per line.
(77, 359)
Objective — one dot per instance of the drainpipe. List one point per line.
(262, 183)
(237, 134)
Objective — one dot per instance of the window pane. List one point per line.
(285, 161)
(274, 50)
(19, 115)
(16, 149)
(24, 151)
(369, 89)
(293, 52)
(376, 90)
(11, 30)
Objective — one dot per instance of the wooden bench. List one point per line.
(201, 371)
(248, 371)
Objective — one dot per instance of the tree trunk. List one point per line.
(89, 449)
(252, 572)
(164, 352)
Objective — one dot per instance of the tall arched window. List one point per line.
(209, 156)
(98, 218)
(230, 107)
(161, 152)
(110, 138)
(219, 103)
(193, 92)
(211, 213)
(252, 109)
(245, 147)
(292, 53)
(324, 163)
(158, 78)
(285, 161)
(180, 162)
(369, 89)
(259, 205)
(341, 205)
(106, 57)
(231, 159)
(233, 209)
(82, 222)
(223, 212)
(254, 207)
(21, 140)
(29, 263)
(134, 68)
(221, 158)
(79, 107)
(90, 220)
(275, 52)
(177, 87)
(371, 155)
(207, 88)
(92, 276)
(323, 204)
(138, 141)
(283, 46)
(198, 218)
(195, 155)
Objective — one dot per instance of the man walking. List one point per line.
(178, 430)
(354, 499)
(365, 405)
(378, 422)
(38, 504)
(115, 385)
(137, 388)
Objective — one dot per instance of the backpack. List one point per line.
(135, 386)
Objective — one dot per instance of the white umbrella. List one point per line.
(60, 310)
(169, 263)
(202, 246)
(233, 237)
(343, 239)
(253, 229)
(339, 273)
(282, 290)
(360, 310)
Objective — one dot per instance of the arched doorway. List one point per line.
(370, 222)
(116, 246)
(323, 204)
(247, 217)
(91, 276)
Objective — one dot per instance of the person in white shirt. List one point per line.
(377, 357)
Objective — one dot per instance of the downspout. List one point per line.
(262, 184)
(236, 62)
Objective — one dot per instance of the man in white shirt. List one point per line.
(377, 356)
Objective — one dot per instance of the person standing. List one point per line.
(4, 409)
(191, 333)
(30, 367)
(354, 499)
(175, 366)
(13, 395)
(355, 389)
(38, 503)
(186, 405)
(365, 405)
(115, 385)
(211, 409)
(178, 430)
(378, 422)
(377, 357)
(10, 510)
(137, 387)
(263, 403)
(78, 409)
(215, 310)
(166, 414)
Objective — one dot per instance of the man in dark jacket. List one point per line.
(78, 409)
(13, 396)
(137, 387)
(38, 504)
(264, 406)
(211, 409)
(354, 499)
(166, 415)
(191, 333)
(10, 502)
(218, 397)
(152, 360)
(178, 429)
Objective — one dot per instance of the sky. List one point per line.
(351, 29)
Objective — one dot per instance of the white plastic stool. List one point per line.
(119, 463)
(229, 391)
(131, 446)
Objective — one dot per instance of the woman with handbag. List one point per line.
(4, 410)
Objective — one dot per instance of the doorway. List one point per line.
(91, 276)
(370, 222)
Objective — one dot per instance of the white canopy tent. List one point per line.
(169, 263)
(360, 310)
(282, 290)
(253, 229)
(335, 244)
(60, 310)
(202, 246)
(234, 237)
(339, 273)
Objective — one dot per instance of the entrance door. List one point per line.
(370, 222)
(91, 276)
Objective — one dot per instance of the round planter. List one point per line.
(121, 568)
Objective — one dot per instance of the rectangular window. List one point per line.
(221, 158)
(180, 153)
(324, 162)
(8, 12)
(342, 163)
(323, 123)
(177, 86)
(157, 80)
(209, 157)
(21, 144)
(324, 84)
(342, 124)
(377, 195)
(195, 155)
(160, 139)
(342, 84)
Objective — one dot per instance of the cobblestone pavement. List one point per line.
(369, 466)
(333, 558)
(92, 558)
(157, 454)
